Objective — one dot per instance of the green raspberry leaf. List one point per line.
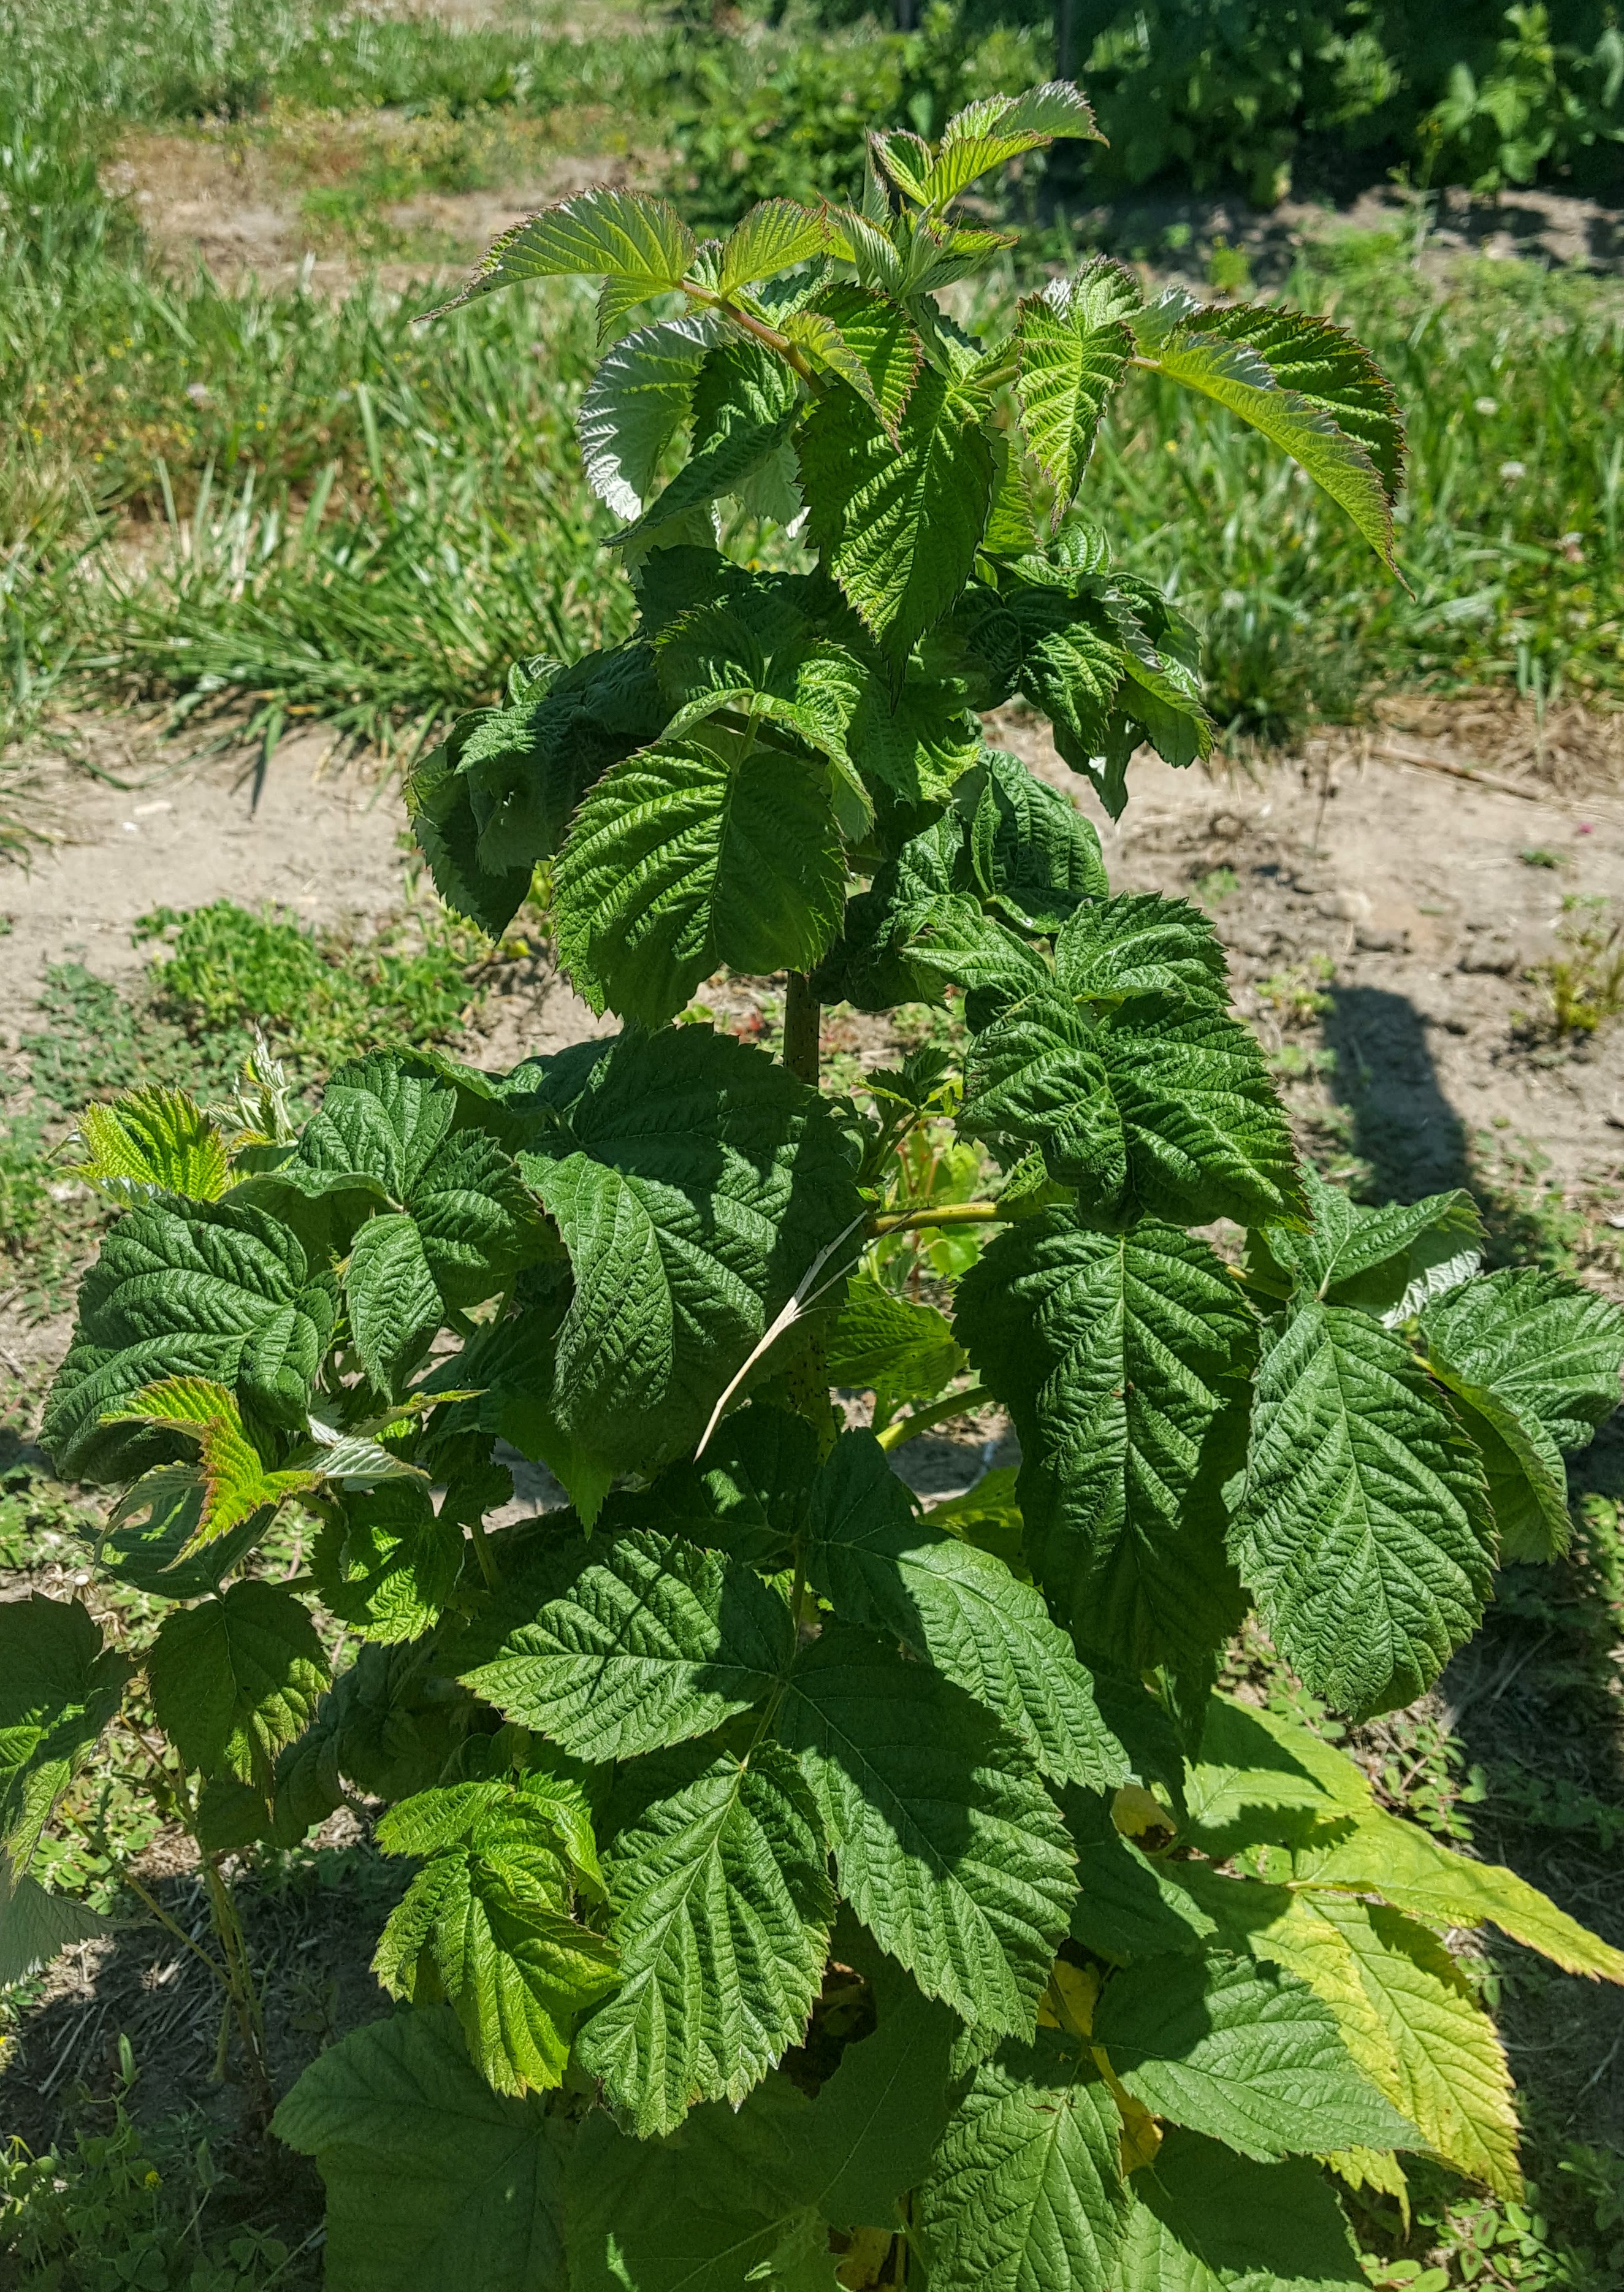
(489, 1910)
(1205, 2220)
(1364, 1530)
(687, 1236)
(186, 1289)
(960, 1608)
(717, 1878)
(151, 1142)
(698, 852)
(897, 521)
(1534, 1359)
(1122, 1358)
(638, 245)
(1074, 346)
(637, 1644)
(1244, 2052)
(639, 397)
(1026, 2191)
(432, 2179)
(947, 1844)
(235, 1678)
(59, 1687)
(394, 1305)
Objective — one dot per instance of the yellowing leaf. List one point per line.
(1135, 1811)
(1451, 2080)
(1413, 1872)
(1372, 2168)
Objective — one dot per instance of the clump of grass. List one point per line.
(1217, 885)
(321, 996)
(1584, 981)
(1297, 996)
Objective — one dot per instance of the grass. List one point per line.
(275, 505)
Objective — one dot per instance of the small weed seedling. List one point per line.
(805, 1888)
(1584, 981)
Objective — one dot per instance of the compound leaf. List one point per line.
(1364, 1528)
(1121, 1359)
(1026, 2191)
(645, 1641)
(1389, 1261)
(947, 1844)
(433, 2181)
(717, 1876)
(487, 1923)
(235, 1678)
(962, 1609)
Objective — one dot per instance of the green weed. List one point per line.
(320, 996)
(123, 2207)
(1296, 995)
(1584, 981)
(1217, 885)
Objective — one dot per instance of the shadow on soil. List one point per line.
(1533, 1700)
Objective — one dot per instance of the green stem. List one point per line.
(802, 1023)
(948, 1214)
(172, 1925)
(762, 331)
(957, 1404)
(483, 1554)
(242, 1995)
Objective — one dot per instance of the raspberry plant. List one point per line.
(805, 1886)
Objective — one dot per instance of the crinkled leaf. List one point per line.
(773, 236)
(1535, 1359)
(947, 1844)
(1206, 1135)
(879, 1565)
(1389, 1260)
(486, 1924)
(638, 245)
(1033, 853)
(388, 1564)
(1121, 1359)
(1417, 1873)
(897, 521)
(717, 1878)
(233, 1482)
(643, 1643)
(1026, 2191)
(1444, 2068)
(697, 852)
(1241, 2052)
(1364, 1528)
(199, 1289)
(1075, 347)
(393, 1301)
(687, 1234)
(1126, 1906)
(745, 403)
(1251, 368)
(635, 403)
(152, 1141)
